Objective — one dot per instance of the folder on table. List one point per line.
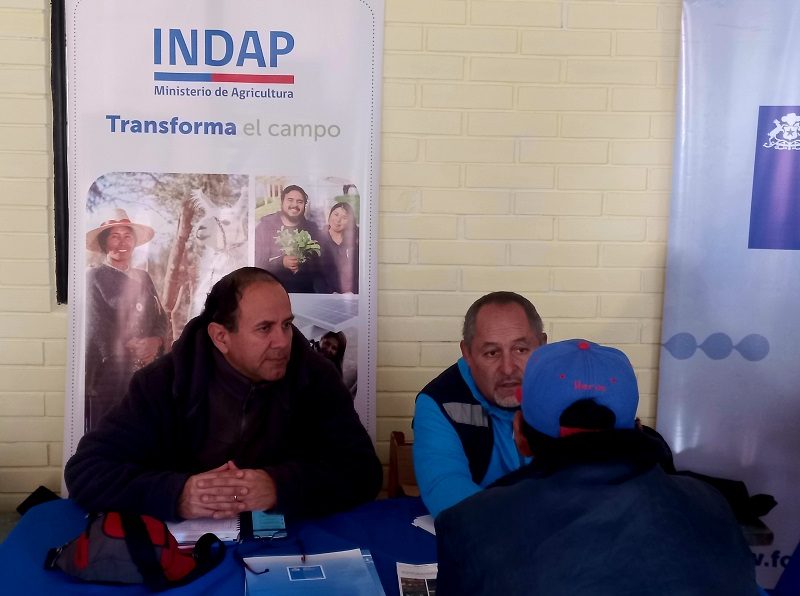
(344, 573)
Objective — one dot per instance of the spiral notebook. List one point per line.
(249, 525)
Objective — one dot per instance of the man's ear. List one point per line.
(464, 349)
(219, 336)
(543, 339)
(519, 437)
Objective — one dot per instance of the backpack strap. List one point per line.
(143, 552)
(208, 552)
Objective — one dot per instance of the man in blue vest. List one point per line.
(463, 421)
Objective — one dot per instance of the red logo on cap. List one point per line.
(581, 386)
(584, 345)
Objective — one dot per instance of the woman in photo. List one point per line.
(125, 322)
(332, 345)
(340, 251)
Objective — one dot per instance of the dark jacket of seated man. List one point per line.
(595, 513)
(240, 415)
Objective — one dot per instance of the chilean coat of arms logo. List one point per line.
(786, 134)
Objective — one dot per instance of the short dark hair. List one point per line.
(222, 302)
(292, 187)
(102, 237)
(502, 298)
(585, 414)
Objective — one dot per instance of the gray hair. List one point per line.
(501, 298)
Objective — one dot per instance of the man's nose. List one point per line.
(280, 338)
(508, 364)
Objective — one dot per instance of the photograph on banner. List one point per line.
(155, 244)
(307, 235)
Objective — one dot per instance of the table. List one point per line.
(384, 527)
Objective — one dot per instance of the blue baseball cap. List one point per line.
(559, 374)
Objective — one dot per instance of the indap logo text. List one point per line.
(216, 47)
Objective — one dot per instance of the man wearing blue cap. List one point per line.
(594, 513)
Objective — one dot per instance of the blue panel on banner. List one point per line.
(775, 206)
(202, 77)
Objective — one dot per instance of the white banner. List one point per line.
(729, 396)
(222, 135)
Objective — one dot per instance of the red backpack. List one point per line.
(127, 548)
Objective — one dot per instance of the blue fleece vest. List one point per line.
(470, 421)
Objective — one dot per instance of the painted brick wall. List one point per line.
(32, 326)
(526, 146)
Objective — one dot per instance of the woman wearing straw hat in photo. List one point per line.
(125, 322)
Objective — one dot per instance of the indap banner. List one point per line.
(206, 136)
(729, 395)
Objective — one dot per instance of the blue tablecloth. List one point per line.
(384, 527)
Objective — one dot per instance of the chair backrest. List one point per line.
(402, 480)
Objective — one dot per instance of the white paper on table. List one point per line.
(425, 522)
(189, 531)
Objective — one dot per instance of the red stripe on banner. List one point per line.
(234, 78)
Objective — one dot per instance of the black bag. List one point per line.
(126, 548)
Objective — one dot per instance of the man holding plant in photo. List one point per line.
(286, 243)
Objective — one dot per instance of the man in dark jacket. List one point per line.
(241, 415)
(594, 513)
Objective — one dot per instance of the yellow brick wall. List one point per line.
(526, 146)
(32, 327)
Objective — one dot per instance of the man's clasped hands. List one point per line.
(226, 491)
